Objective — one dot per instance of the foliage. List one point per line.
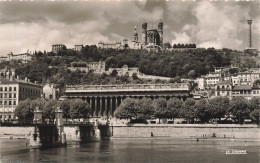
(79, 109)
(24, 112)
(161, 109)
(254, 107)
(174, 105)
(202, 110)
(218, 107)
(239, 108)
(188, 109)
(135, 108)
(49, 109)
(65, 106)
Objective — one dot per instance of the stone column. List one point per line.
(90, 103)
(116, 103)
(105, 107)
(95, 112)
(111, 105)
(100, 107)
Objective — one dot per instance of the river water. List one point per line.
(148, 150)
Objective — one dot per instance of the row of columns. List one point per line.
(105, 106)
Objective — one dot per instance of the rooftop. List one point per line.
(242, 87)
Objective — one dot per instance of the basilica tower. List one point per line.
(135, 35)
(160, 31)
(144, 33)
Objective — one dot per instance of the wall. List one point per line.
(170, 130)
(186, 131)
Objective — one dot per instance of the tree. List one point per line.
(192, 74)
(218, 107)
(202, 111)
(239, 109)
(161, 109)
(39, 102)
(145, 108)
(65, 106)
(134, 76)
(135, 108)
(254, 107)
(188, 109)
(174, 106)
(49, 109)
(114, 73)
(24, 112)
(127, 109)
(79, 109)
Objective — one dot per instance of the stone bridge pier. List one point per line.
(48, 134)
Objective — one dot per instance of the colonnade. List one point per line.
(105, 106)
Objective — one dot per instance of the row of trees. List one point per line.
(237, 109)
(73, 109)
(184, 46)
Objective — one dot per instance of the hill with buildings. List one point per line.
(63, 69)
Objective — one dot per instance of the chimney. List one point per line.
(26, 79)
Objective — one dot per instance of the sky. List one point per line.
(36, 25)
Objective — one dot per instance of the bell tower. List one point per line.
(135, 35)
(160, 31)
(144, 33)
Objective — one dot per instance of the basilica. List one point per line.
(151, 39)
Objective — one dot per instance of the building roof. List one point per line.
(224, 82)
(58, 45)
(14, 81)
(242, 87)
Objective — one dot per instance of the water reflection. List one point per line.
(133, 150)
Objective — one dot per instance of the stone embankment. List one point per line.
(155, 130)
(186, 130)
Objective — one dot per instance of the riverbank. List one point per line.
(185, 130)
(155, 130)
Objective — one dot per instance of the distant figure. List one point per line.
(197, 139)
(151, 134)
(214, 135)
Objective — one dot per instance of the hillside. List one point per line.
(188, 64)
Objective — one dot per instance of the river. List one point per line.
(150, 150)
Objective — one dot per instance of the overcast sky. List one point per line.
(37, 25)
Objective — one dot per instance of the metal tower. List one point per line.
(249, 35)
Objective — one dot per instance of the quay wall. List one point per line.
(158, 130)
(185, 131)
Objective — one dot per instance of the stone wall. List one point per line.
(158, 130)
(186, 131)
(19, 131)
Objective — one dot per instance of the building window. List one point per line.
(228, 94)
(14, 88)
(10, 102)
(218, 93)
(5, 102)
(5, 88)
(5, 95)
(10, 95)
(1, 88)
(14, 103)
(1, 102)
(10, 88)
(1, 95)
(14, 95)
(254, 92)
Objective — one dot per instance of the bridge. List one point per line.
(104, 99)
(53, 134)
